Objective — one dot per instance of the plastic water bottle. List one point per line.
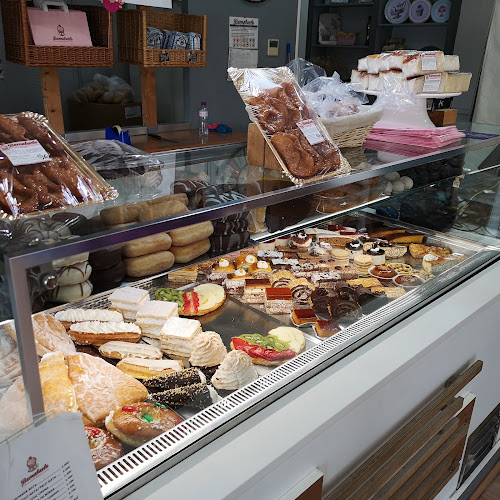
(203, 114)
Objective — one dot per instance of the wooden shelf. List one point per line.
(340, 46)
(411, 25)
(343, 5)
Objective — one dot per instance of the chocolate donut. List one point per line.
(106, 258)
(104, 279)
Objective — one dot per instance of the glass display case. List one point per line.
(445, 198)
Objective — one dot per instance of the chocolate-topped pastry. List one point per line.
(320, 299)
(355, 248)
(346, 311)
(195, 395)
(215, 195)
(104, 279)
(368, 300)
(77, 224)
(228, 227)
(300, 240)
(343, 290)
(377, 254)
(106, 258)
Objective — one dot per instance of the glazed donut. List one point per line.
(104, 448)
(137, 424)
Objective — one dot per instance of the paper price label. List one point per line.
(309, 129)
(429, 62)
(25, 152)
(432, 82)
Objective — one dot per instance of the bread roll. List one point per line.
(146, 265)
(163, 209)
(189, 252)
(190, 234)
(182, 197)
(122, 214)
(148, 244)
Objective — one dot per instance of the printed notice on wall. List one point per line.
(243, 42)
(52, 461)
(243, 32)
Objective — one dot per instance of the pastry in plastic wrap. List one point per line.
(42, 172)
(293, 131)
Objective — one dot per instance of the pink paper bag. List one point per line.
(58, 28)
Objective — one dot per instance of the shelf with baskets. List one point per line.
(19, 49)
(133, 44)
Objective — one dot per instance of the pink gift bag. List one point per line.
(59, 28)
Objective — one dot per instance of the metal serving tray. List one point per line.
(148, 461)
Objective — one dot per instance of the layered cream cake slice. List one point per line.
(153, 315)
(434, 264)
(128, 300)
(177, 336)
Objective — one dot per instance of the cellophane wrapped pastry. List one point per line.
(39, 171)
(293, 131)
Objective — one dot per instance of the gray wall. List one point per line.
(277, 19)
(470, 44)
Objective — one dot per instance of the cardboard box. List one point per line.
(443, 117)
(91, 115)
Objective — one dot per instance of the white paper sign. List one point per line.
(240, 58)
(432, 82)
(52, 461)
(25, 152)
(429, 62)
(243, 32)
(309, 129)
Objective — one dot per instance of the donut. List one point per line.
(73, 274)
(70, 293)
(139, 423)
(104, 448)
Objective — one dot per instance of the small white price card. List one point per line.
(432, 82)
(429, 62)
(52, 461)
(309, 129)
(25, 152)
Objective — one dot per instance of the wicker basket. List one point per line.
(132, 38)
(351, 131)
(19, 47)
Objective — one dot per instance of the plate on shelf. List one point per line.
(397, 11)
(441, 11)
(420, 11)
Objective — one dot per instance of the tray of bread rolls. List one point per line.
(40, 172)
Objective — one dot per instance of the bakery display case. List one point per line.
(199, 198)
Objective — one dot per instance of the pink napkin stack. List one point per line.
(423, 137)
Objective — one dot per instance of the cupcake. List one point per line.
(268, 246)
(235, 371)
(354, 248)
(207, 352)
(300, 240)
(377, 255)
(363, 262)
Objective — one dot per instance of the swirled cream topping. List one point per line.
(223, 263)
(104, 327)
(207, 349)
(262, 264)
(430, 258)
(235, 371)
(79, 315)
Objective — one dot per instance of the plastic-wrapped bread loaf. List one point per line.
(362, 64)
(451, 63)
(360, 78)
(372, 64)
(423, 63)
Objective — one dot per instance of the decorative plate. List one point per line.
(397, 11)
(441, 11)
(420, 11)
